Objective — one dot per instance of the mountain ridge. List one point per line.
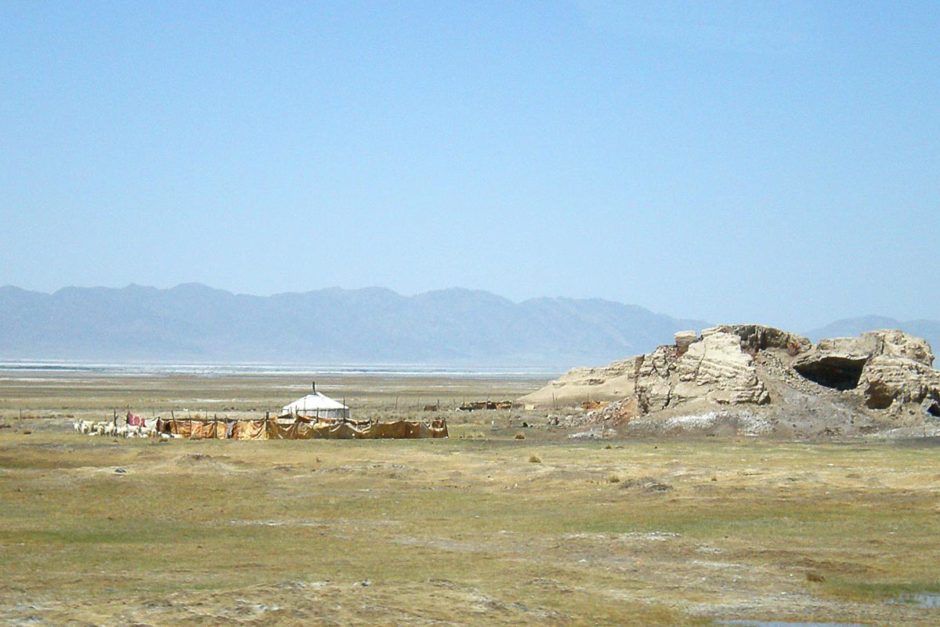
(454, 326)
(367, 325)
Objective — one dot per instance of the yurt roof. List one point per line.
(313, 402)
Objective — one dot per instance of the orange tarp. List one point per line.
(249, 430)
(300, 429)
(207, 430)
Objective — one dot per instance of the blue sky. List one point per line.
(772, 162)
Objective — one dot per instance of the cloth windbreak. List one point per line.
(300, 429)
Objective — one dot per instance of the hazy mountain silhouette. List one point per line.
(372, 325)
(193, 322)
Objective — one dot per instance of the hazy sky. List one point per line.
(745, 161)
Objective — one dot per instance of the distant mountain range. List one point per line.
(192, 322)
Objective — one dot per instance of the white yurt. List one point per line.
(316, 405)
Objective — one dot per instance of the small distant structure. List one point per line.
(483, 405)
(316, 405)
(314, 416)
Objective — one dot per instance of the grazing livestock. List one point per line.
(143, 429)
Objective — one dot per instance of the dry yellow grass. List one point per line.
(463, 531)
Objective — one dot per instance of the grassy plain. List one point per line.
(480, 528)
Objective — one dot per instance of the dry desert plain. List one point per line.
(482, 528)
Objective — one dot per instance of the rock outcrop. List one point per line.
(717, 366)
(718, 369)
(607, 383)
(880, 376)
(889, 368)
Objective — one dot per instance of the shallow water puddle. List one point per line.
(921, 599)
(779, 623)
